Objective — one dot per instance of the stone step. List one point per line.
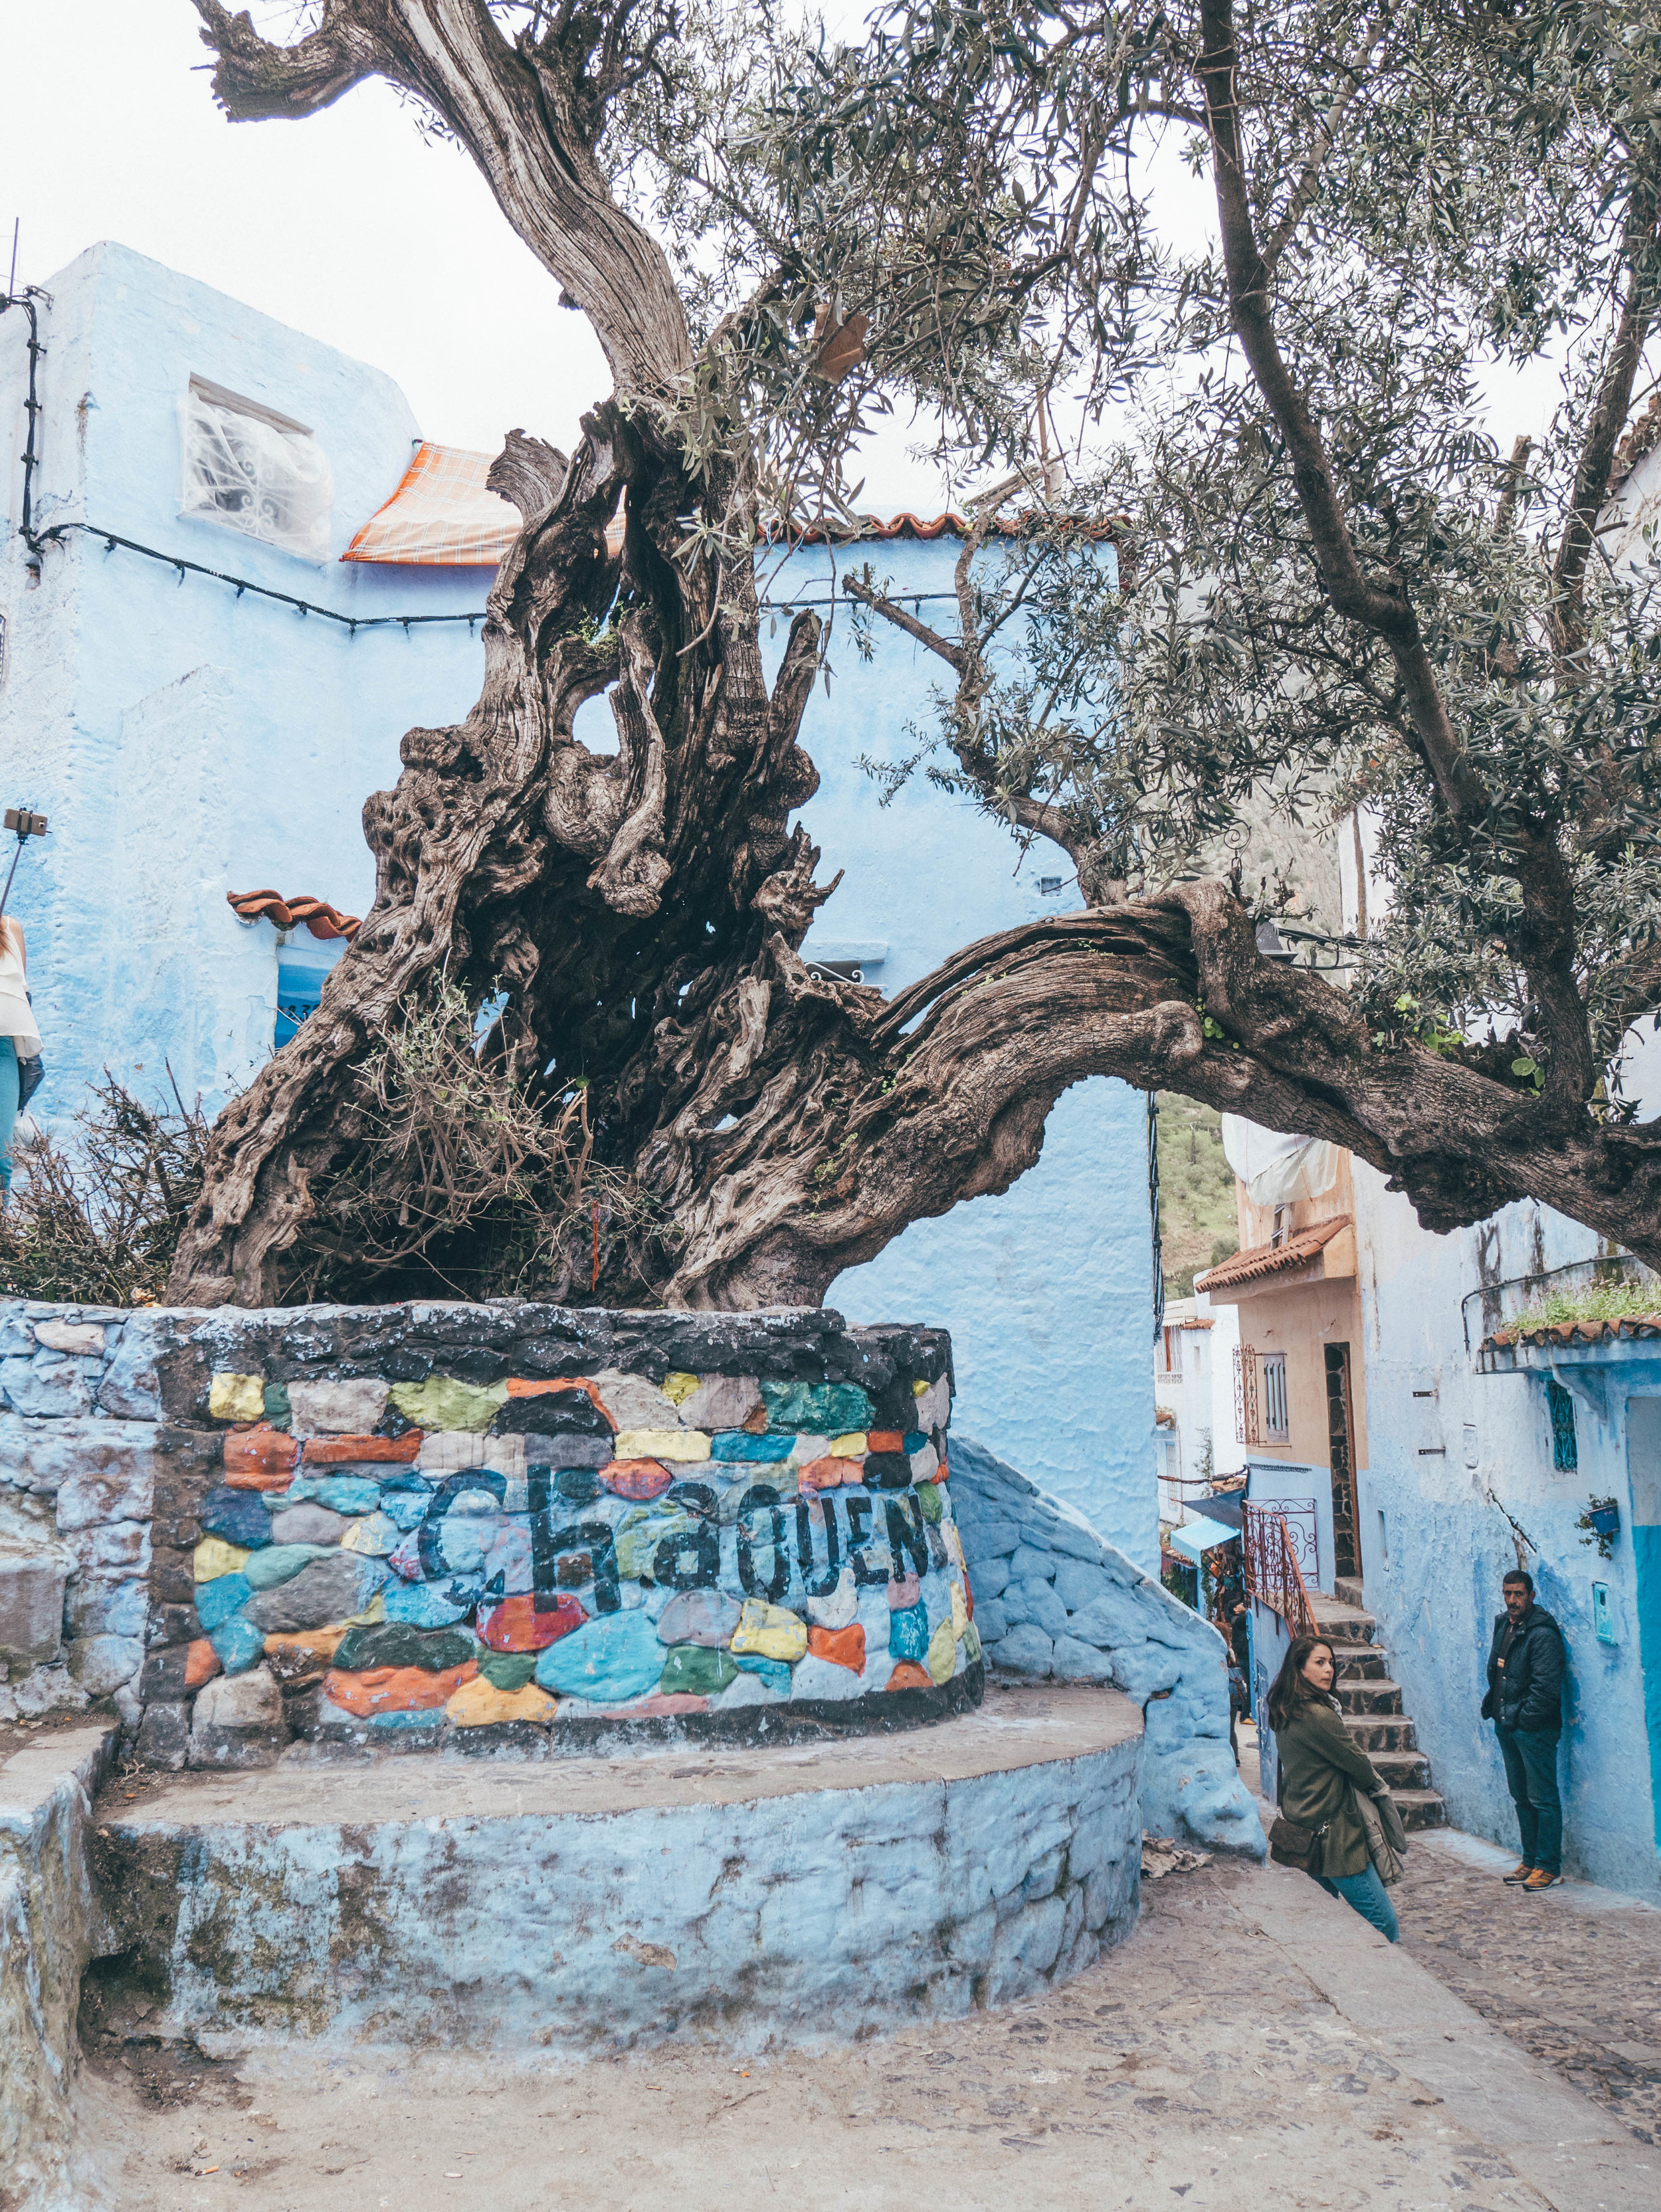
(1358, 1662)
(1376, 1732)
(1368, 1694)
(1402, 1770)
(1420, 1808)
(1347, 1622)
(1346, 1589)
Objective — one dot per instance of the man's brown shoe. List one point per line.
(1520, 1872)
(1539, 1878)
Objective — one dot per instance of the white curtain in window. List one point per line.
(250, 475)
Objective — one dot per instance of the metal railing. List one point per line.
(1273, 1577)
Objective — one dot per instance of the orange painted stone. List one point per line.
(333, 1451)
(908, 1675)
(259, 1459)
(518, 1387)
(303, 1655)
(885, 1440)
(518, 1624)
(636, 1477)
(828, 1473)
(394, 1689)
(846, 1646)
(201, 1664)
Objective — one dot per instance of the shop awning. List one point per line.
(1200, 1534)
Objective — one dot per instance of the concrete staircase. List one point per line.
(1372, 1703)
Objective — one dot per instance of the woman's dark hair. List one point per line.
(1291, 1692)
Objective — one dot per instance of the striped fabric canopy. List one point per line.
(441, 516)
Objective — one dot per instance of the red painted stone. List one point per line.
(394, 1689)
(261, 1458)
(828, 1473)
(201, 1664)
(885, 1440)
(908, 1675)
(351, 1451)
(518, 1624)
(844, 1646)
(968, 1593)
(636, 1477)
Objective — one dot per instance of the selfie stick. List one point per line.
(26, 825)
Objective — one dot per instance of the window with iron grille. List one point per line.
(1565, 1455)
(1276, 1426)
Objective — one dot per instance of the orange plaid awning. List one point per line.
(441, 516)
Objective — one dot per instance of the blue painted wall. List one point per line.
(187, 742)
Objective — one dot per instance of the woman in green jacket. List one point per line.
(1320, 1762)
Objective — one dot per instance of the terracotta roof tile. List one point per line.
(1269, 1259)
(323, 919)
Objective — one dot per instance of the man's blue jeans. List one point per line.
(1365, 1894)
(1531, 1758)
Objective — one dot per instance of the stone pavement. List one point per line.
(1253, 2043)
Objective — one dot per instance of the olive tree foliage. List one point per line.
(1294, 569)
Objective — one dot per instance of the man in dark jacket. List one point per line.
(1524, 1702)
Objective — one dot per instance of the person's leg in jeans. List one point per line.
(1517, 1781)
(1538, 1754)
(8, 1111)
(1365, 1894)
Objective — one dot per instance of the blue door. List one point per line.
(299, 990)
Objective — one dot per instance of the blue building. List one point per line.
(190, 739)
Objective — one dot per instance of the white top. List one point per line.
(16, 1015)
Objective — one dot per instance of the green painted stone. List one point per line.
(441, 1402)
(393, 1643)
(508, 1670)
(825, 1409)
(640, 1532)
(698, 1669)
(281, 1563)
(928, 1496)
(278, 1412)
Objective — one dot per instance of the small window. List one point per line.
(299, 990)
(1276, 1426)
(1278, 1236)
(249, 469)
(1049, 887)
(1565, 1453)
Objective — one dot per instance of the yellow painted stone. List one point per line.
(678, 1386)
(941, 1657)
(770, 1631)
(919, 1389)
(375, 1535)
(214, 1557)
(372, 1616)
(852, 1446)
(661, 1443)
(441, 1402)
(954, 1543)
(960, 1611)
(236, 1397)
(480, 1704)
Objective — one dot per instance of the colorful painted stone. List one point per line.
(302, 1658)
(238, 1516)
(259, 1459)
(658, 1705)
(640, 1533)
(884, 1440)
(770, 1631)
(679, 1386)
(404, 1557)
(509, 1564)
(843, 1647)
(281, 1563)
(774, 1673)
(518, 1387)
(697, 1670)
(331, 1588)
(929, 1498)
(218, 1599)
(238, 1644)
(342, 1493)
(971, 1643)
(838, 1608)
(213, 1557)
(887, 1471)
(395, 1643)
(236, 1397)
(201, 1663)
(431, 1604)
(375, 1535)
(740, 1444)
(565, 1413)
(606, 1660)
(908, 1675)
(820, 1405)
(279, 1410)
(307, 1524)
(941, 1658)
(405, 1509)
(827, 1473)
(959, 1613)
(679, 1446)
(639, 1479)
(520, 1623)
(481, 1703)
(508, 1670)
(351, 1451)
(750, 1690)
(852, 1446)
(699, 1616)
(394, 1689)
(821, 1681)
(908, 1631)
(924, 1465)
(632, 1403)
(725, 1401)
(934, 1404)
(347, 1408)
(441, 1402)
(903, 1595)
(452, 1452)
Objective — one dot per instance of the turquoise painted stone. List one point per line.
(404, 1479)
(912, 1440)
(344, 1494)
(698, 1669)
(404, 1509)
(238, 1516)
(908, 1632)
(395, 1644)
(735, 1444)
(240, 1645)
(428, 1605)
(217, 1600)
(280, 1563)
(606, 1660)
(422, 1717)
(278, 1412)
(830, 1409)
(774, 1672)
